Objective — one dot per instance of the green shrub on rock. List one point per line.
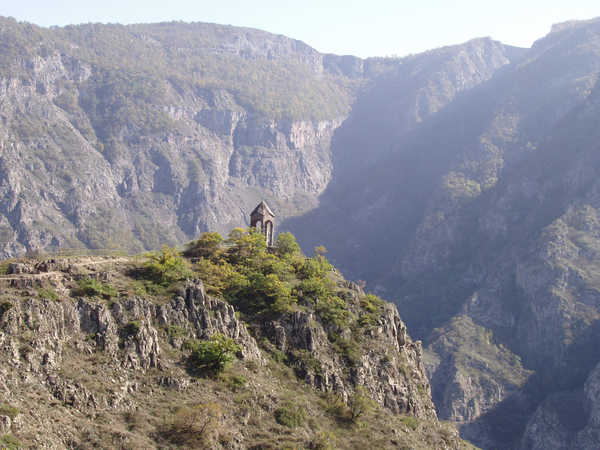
(211, 356)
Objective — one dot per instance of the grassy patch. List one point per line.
(8, 410)
(10, 442)
(410, 421)
(48, 294)
(89, 287)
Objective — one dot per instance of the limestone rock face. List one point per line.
(107, 327)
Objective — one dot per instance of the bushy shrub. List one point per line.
(360, 403)
(316, 267)
(258, 293)
(290, 415)
(236, 382)
(312, 290)
(211, 356)
(286, 245)
(333, 310)
(48, 294)
(410, 421)
(217, 276)
(371, 303)
(167, 266)
(195, 426)
(348, 348)
(175, 331)
(324, 440)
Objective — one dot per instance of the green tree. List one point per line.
(217, 276)
(208, 245)
(360, 403)
(286, 245)
(246, 248)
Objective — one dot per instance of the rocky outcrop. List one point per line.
(124, 331)
(390, 366)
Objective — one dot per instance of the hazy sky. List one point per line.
(359, 27)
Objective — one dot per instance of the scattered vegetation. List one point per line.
(235, 382)
(410, 421)
(264, 284)
(48, 294)
(10, 442)
(167, 266)
(195, 426)
(360, 404)
(290, 415)
(176, 331)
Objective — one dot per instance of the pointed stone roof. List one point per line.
(262, 207)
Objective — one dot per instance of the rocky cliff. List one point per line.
(181, 130)
(459, 182)
(107, 368)
(133, 136)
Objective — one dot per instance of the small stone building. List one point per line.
(263, 219)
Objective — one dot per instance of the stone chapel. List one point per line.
(263, 219)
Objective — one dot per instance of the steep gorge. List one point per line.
(483, 222)
(459, 182)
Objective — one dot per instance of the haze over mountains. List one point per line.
(460, 183)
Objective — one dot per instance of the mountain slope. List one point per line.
(120, 352)
(482, 220)
(129, 136)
